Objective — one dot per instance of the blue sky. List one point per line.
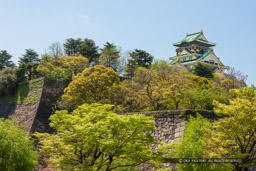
(151, 25)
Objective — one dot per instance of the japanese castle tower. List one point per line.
(195, 48)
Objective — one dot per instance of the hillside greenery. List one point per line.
(17, 151)
(26, 93)
(105, 81)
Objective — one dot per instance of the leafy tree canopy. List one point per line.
(63, 67)
(92, 137)
(109, 56)
(234, 135)
(203, 71)
(90, 51)
(8, 81)
(16, 150)
(28, 64)
(160, 65)
(90, 86)
(86, 48)
(191, 146)
(72, 46)
(138, 58)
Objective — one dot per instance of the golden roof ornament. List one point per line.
(201, 30)
(187, 34)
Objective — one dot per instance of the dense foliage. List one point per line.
(234, 136)
(192, 146)
(28, 64)
(8, 81)
(138, 58)
(16, 148)
(92, 137)
(91, 86)
(63, 67)
(84, 47)
(5, 61)
(109, 56)
(203, 70)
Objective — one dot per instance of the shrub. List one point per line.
(16, 149)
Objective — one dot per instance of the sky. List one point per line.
(150, 25)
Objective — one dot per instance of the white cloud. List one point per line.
(84, 17)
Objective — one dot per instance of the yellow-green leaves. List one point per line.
(90, 86)
(92, 137)
(63, 67)
(16, 148)
(234, 135)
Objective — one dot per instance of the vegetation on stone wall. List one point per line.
(26, 93)
(91, 136)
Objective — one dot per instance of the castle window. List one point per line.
(211, 61)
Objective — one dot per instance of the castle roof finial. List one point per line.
(201, 30)
(187, 34)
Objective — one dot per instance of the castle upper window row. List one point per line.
(210, 61)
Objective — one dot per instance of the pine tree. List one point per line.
(5, 60)
(203, 71)
(28, 63)
(138, 58)
(109, 56)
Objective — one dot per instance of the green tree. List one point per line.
(153, 85)
(86, 48)
(28, 63)
(138, 58)
(92, 137)
(203, 92)
(109, 56)
(164, 88)
(234, 135)
(63, 67)
(55, 50)
(90, 86)
(191, 146)
(16, 150)
(72, 46)
(8, 81)
(161, 65)
(180, 84)
(90, 51)
(203, 71)
(5, 60)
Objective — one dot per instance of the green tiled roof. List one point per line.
(201, 56)
(206, 42)
(193, 37)
(205, 54)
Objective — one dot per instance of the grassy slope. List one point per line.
(26, 93)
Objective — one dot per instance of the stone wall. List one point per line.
(51, 95)
(170, 126)
(35, 116)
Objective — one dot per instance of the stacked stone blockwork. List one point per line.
(170, 126)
